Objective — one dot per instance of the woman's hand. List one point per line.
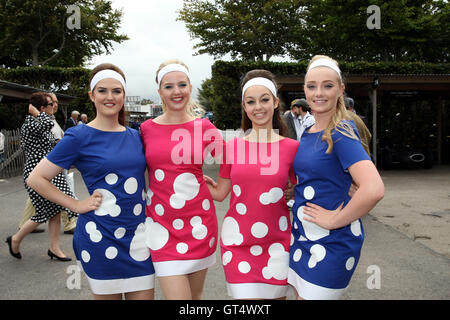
(91, 203)
(289, 191)
(353, 189)
(32, 110)
(320, 216)
(210, 181)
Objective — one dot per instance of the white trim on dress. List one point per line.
(311, 291)
(122, 285)
(179, 267)
(256, 290)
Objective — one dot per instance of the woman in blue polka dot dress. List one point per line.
(327, 234)
(109, 240)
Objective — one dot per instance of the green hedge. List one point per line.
(70, 81)
(225, 77)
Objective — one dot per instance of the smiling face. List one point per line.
(108, 97)
(259, 104)
(323, 88)
(175, 90)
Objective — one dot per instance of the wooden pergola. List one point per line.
(375, 86)
(11, 92)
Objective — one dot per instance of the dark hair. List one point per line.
(39, 99)
(277, 122)
(110, 66)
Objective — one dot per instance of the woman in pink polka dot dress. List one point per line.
(181, 222)
(256, 230)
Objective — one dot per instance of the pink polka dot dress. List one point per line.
(255, 235)
(181, 224)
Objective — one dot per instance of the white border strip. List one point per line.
(113, 286)
(256, 290)
(179, 267)
(311, 291)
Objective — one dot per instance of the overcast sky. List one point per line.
(155, 36)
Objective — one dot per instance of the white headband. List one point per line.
(107, 74)
(260, 81)
(171, 68)
(323, 62)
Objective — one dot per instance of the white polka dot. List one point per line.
(283, 223)
(178, 224)
(278, 263)
(111, 178)
(182, 247)
(308, 193)
(206, 205)
(96, 236)
(176, 202)
(259, 230)
(108, 205)
(297, 255)
(156, 235)
(143, 194)
(241, 208)
(85, 256)
(119, 233)
(137, 210)
(159, 175)
(350, 263)
(138, 248)
(318, 253)
(244, 267)
(90, 227)
(272, 196)
(111, 253)
(131, 185)
(159, 209)
(312, 231)
(237, 190)
(256, 250)
(186, 186)
(195, 221)
(212, 241)
(230, 232)
(355, 227)
(199, 232)
(226, 257)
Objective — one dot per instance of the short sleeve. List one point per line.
(348, 150)
(66, 151)
(225, 171)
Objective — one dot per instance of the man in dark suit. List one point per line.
(72, 120)
(291, 119)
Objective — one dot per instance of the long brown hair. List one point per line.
(277, 122)
(110, 66)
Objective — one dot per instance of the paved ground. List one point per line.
(406, 254)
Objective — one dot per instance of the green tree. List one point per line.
(205, 95)
(34, 32)
(409, 31)
(247, 29)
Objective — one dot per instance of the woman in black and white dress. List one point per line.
(37, 141)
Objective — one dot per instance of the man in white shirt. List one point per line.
(305, 119)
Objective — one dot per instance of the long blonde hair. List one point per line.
(340, 114)
(193, 108)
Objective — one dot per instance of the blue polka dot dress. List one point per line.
(322, 261)
(110, 242)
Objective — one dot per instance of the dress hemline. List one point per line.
(180, 267)
(122, 285)
(311, 291)
(257, 290)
